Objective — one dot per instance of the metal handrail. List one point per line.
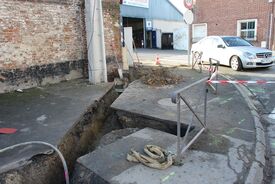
(176, 98)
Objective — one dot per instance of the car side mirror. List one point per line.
(221, 46)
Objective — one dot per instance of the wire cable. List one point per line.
(66, 173)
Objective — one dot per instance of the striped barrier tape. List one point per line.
(239, 82)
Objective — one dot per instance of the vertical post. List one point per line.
(205, 104)
(178, 130)
(270, 31)
(217, 76)
(95, 42)
(189, 44)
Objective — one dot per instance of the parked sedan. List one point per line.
(233, 51)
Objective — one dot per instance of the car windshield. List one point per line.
(235, 42)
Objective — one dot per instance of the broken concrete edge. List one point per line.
(256, 172)
(134, 120)
(80, 139)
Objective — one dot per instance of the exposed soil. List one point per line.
(160, 77)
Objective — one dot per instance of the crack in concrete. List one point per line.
(261, 128)
(260, 142)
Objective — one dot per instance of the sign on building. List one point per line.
(137, 3)
(148, 24)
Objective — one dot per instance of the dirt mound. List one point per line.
(160, 77)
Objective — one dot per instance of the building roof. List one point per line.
(163, 10)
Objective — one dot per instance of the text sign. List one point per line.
(137, 3)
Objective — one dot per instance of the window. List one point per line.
(199, 31)
(247, 29)
(217, 41)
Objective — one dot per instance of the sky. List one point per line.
(179, 5)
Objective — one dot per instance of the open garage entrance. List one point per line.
(137, 25)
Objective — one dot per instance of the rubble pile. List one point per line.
(160, 77)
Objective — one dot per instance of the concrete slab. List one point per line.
(109, 165)
(228, 112)
(155, 102)
(43, 114)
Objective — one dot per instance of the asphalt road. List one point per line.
(265, 93)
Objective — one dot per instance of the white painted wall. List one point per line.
(179, 30)
(158, 38)
(96, 51)
(128, 36)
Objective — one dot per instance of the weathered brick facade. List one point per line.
(112, 28)
(44, 41)
(111, 13)
(40, 42)
(222, 16)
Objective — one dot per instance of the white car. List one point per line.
(233, 51)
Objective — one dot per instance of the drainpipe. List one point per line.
(271, 25)
(95, 42)
(272, 46)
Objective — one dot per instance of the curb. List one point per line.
(256, 172)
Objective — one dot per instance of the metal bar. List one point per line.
(187, 132)
(212, 87)
(189, 43)
(193, 64)
(175, 94)
(205, 105)
(193, 140)
(210, 69)
(217, 76)
(178, 129)
(192, 110)
(216, 69)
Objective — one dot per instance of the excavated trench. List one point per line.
(98, 125)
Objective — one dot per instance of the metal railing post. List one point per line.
(176, 98)
(205, 104)
(178, 159)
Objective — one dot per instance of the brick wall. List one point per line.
(112, 28)
(111, 11)
(40, 41)
(222, 16)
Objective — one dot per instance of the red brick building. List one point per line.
(250, 19)
(45, 41)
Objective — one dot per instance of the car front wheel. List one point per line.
(236, 63)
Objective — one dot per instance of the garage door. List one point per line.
(199, 31)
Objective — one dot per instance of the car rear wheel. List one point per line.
(236, 63)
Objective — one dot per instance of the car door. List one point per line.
(206, 48)
(220, 51)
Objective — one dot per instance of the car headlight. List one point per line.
(249, 55)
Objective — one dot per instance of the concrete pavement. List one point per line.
(229, 152)
(167, 57)
(262, 98)
(45, 114)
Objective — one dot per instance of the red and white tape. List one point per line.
(239, 82)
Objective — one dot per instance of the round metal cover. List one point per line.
(188, 17)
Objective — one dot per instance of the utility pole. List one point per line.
(95, 41)
(189, 18)
(189, 43)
